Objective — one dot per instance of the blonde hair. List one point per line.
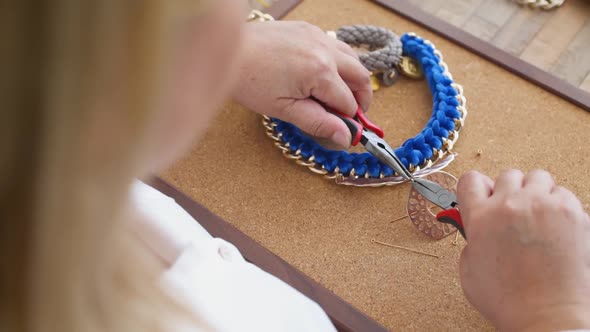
(78, 84)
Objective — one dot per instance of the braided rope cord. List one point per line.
(386, 45)
(417, 153)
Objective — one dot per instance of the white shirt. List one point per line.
(211, 278)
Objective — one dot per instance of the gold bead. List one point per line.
(375, 82)
(411, 68)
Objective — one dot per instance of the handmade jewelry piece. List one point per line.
(384, 57)
(422, 154)
(429, 151)
(385, 49)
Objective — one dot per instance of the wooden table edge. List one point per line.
(343, 315)
(490, 52)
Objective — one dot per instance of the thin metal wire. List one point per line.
(456, 240)
(404, 248)
(400, 218)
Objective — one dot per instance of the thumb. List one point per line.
(473, 190)
(313, 119)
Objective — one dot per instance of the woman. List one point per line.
(98, 94)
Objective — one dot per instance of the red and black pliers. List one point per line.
(442, 198)
(358, 124)
(371, 137)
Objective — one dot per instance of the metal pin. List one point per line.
(404, 217)
(456, 241)
(400, 218)
(404, 248)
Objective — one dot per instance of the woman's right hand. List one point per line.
(527, 263)
(292, 70)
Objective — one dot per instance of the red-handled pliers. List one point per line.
(357, 124)
(371, 137)
(443, 198)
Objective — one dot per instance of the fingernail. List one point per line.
(365, 108)
(341, 139)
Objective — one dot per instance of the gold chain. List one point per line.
(437, 156)
(542, 4)
(258, 16)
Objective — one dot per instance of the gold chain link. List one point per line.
(437, 156)
(542, 4)
(258, 16)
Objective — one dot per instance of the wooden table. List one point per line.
(557, 41)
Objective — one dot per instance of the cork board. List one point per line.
(325, 230)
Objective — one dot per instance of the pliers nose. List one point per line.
(371, 136)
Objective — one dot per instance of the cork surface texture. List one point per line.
(325, 230)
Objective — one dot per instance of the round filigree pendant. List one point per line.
(422, 213)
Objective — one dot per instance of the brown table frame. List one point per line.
(490, 52)
(344, 316)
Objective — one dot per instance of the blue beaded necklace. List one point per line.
(421, 154)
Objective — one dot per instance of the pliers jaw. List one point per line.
(444, 199)
(371, 137)
(382, 151)
(435, 193)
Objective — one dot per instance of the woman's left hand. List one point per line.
(285, 64)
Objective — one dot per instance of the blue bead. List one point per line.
(330, 165)
(320, 157)
(360, 169)
(416, 157)
(373, 167)
(345, 168)
(306, 151)
(405, 162)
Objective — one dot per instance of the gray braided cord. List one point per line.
(390, 46)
